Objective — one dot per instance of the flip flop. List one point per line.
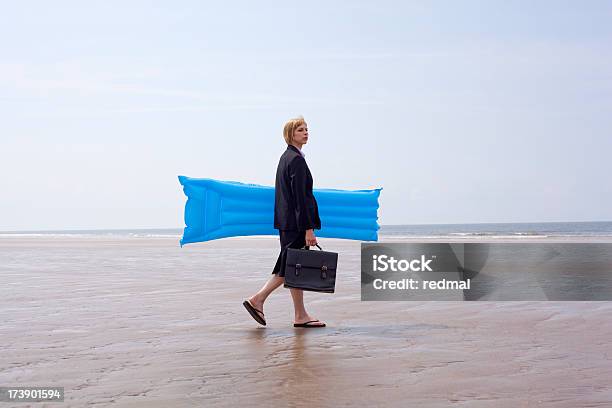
(253, 312)
(306, 324)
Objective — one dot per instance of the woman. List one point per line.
(296, 216)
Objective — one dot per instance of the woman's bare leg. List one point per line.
(298, 305)
(301, 316)
(258, 299)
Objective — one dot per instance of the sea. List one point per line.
(454, 231)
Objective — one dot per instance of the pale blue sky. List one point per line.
(463, 111)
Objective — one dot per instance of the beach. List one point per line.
(142, 322)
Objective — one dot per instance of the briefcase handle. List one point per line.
(307, 247)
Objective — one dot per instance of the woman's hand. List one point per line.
(311, 240)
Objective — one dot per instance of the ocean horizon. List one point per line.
(489, 230)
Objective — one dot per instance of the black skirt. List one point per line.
(288, 239)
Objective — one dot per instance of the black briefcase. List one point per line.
(311, 270)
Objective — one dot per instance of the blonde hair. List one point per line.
(290, 127)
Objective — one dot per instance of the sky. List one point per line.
(462, 111)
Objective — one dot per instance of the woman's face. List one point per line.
(300, 134)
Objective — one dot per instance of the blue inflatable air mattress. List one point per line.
(220, 209)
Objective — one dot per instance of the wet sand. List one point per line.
(141, 322)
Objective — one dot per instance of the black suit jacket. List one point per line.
(295, 207)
